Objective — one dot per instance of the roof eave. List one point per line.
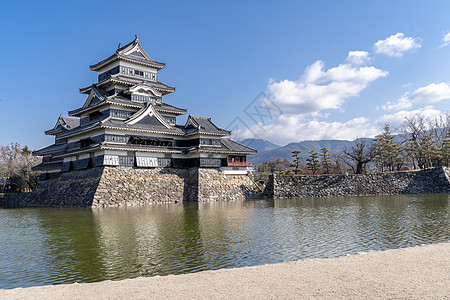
(102, 63)
(137, 149)
(116, 56)
(78, 151)
(52, 131)
(178, 113)
(207, 133)
(223, 151)
(140, 130)
(88, 128)
(153, 64)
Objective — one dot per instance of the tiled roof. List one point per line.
(64, 123)
(139, 56)
(203, 125)
(88, 126)
(226, 146)
(238, 147)
(70, 123)
(134, 81)
(162, 107)
(145, 148)
(143, 127)
(51, 149)
(169, 108)
(116, 100)
(129, 80)
(48, 166)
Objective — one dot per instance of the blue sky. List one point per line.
(284, 71)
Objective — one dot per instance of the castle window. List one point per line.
(85, 143)
(138, 73)
(95, 115)
(150, 142)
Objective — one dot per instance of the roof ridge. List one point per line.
(132, 42)
(71, 118)
(229, 139)
(204, 118)
(121, 53)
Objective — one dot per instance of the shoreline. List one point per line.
(417, 272)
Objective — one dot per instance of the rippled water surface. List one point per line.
(41, 246)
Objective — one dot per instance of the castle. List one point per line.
(125, 122)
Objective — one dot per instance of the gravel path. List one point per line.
(421, 272)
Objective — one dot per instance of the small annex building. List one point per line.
(125, 122)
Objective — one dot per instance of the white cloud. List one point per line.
(396, 45)
(401, 103)
(358, 57)
(302, 102)
(431, 93)
(292, 128)
(446, 39)
(319, 89)
(396, 119)
(306, 103)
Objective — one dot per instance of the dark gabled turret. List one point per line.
(203, 125)
(63, 124)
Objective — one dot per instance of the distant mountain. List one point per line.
(305, 147)
(259, 144)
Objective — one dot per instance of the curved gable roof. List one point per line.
(203, 125)
(133, 52)
(63, 124)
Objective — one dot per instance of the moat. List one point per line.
(41, 246)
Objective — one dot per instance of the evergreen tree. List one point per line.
(312, 162)
(297, 161)
(387, 151)
(326, 159)
(428, 150)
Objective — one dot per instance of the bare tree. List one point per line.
(414, 129)
(439, 127)
(338, 162)
(23, 170)
(16, 167)
(424, 139)
(8, 158)
(358, 156)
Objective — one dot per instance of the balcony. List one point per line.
(240, 164)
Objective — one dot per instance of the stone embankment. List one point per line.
(413, 182)
(125, 186)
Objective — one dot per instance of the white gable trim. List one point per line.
(137, 47)
(148, 111)
(145, 88)
(191, 121)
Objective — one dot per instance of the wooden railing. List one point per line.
(240, 164)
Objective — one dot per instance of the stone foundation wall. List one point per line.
(126, 186)
(414, 182)
(213, 185)
(74, 189)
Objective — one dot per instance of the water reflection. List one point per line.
(48, 246)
